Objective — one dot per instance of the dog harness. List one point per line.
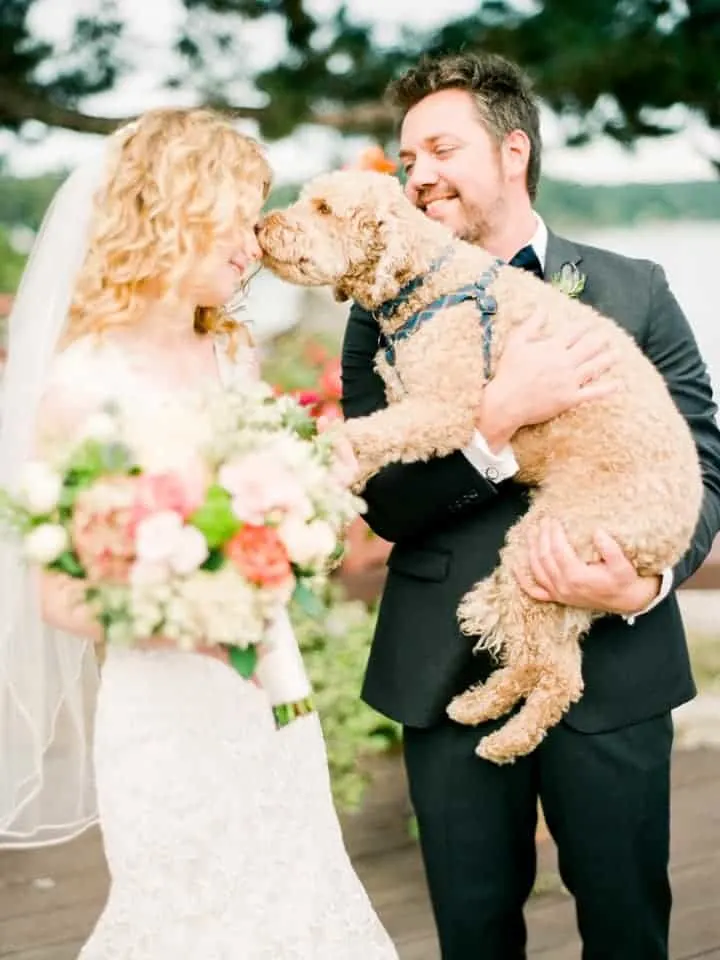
(477, 291)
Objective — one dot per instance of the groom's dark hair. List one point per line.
(502, 91)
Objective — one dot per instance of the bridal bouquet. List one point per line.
(197, 522)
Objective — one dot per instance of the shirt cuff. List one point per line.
(495, 467)
(666, 585)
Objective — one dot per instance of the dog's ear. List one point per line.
(340, 293)
(393, 264)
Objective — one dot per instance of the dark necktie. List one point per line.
(527, 259)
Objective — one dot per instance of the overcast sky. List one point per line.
(310, 150)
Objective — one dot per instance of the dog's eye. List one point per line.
(323, 208)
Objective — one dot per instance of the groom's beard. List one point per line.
(481, 223)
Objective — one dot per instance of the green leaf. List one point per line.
(69, 564)
(79, 478)
(308, 601)
(215, 561)
(244, 660)
(215, 519)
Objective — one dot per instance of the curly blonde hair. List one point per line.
(177, 181)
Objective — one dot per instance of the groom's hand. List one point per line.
(557, 574)
(539, 376)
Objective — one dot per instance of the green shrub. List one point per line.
(335, 648)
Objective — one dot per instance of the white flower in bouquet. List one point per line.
(300, 456)
(166, 437)
(45, 543)
(308, 544)
(212, 608)
(162, 538)
(155, 534)
(190, 551)
(103, 427)
(145, 573)
(40, 488)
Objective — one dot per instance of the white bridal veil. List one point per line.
(48, 680)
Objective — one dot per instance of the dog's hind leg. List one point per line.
(484, 613)
(559, 685)
(538, 646)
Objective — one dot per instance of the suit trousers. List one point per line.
(606, 800)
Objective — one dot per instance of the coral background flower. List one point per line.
(331, 380)
(260, 555)
(374, 158)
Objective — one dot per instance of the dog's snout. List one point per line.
(271, 227)
(271, 220)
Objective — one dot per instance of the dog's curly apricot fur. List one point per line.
(626, 463)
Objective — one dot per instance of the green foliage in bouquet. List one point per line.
(335, 649)
(217, 522)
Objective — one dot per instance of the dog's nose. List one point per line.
(270, 220)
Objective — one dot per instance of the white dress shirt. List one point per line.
(502, 465)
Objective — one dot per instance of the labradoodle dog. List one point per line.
(626, 463)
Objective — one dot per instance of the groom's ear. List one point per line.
(340, 293)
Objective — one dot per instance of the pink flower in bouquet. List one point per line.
(260, 556)
(260, 485)
(163, 492)
(103, 529)
(331, 380)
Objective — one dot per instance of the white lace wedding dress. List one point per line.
(220, 832)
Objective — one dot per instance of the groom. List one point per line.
(470, 148)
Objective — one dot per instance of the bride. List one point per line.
(219, 831)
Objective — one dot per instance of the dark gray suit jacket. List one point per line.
(448, 524)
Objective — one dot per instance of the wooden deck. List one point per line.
(49, 900)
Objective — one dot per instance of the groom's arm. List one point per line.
(404, 499)
(671, 345)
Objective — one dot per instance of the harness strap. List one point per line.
(477, 291)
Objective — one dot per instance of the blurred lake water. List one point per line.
(689, 252)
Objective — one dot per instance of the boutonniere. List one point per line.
(569, 280)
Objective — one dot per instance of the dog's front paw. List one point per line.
(469, 708)
(487, 701)
(494, 752)
(362, 475)
(509, 742)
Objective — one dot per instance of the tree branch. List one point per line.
(20, 103)
(300, 25)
